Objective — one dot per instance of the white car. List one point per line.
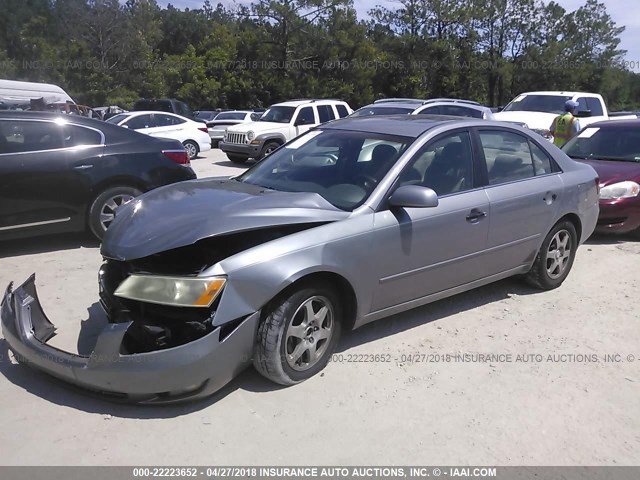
(279, 124)
(223, 120)
(193, 135)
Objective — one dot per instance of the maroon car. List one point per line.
(612, 148)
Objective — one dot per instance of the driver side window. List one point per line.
(305, 117)
(444, 165)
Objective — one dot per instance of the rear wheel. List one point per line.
(236, 158)
(555, 258)
(101, 212)
(299, 334)
(192, 149)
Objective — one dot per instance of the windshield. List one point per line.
(618, 143)
(116, 119)
(231, 116)
(278, 115)
(538, 103)
(343, 167)
(364, 111)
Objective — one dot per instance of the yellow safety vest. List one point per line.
(563, 127)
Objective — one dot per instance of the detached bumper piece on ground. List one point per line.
(193, 370)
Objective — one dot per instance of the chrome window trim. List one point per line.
(102, 137)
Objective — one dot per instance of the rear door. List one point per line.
(422, 251)
(167, 126)
(524, 188)
(43, 177)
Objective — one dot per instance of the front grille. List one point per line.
(233, 137)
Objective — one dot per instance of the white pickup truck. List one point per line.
(538, 109)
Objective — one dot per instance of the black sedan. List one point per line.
(62, 173)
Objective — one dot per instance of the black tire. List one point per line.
(273, 345)
(103, 203)
(236, 158)
(268, 147)
(192, 148)
(548, 272)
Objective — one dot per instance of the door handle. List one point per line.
(549, 198)
(82, 167)
(475, 215)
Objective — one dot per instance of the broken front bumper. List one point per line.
(190, 371)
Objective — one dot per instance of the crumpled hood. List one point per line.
(611, 171)
(183, 213)
(258, 127)
(534, 120)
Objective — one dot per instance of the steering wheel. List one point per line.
(368, 182)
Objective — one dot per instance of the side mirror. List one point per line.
(413, 196)
(500, 108)
(583, 113)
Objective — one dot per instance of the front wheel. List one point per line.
(555, 258)
(102, 210)
(192, 149)
(268, 148)
(298, 334)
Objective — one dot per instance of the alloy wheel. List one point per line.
(107, 213)
(309, 334)
(558, 254)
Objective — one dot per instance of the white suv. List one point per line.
(279, 124)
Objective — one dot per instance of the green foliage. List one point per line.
(107, 52)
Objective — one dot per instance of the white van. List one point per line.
(18, 95)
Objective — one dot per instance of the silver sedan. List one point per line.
(354, 221)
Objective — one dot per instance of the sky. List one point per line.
(623, 12)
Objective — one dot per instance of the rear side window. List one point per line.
(342, 110)
(541, 161)
(166, 120)
(76, 136)
(430, 111)
(29, 136)
(325, 112)
(510, 157)
(138, 122)
(458, 111)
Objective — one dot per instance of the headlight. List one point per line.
(620, 190)
(176, 291)
(251, 135)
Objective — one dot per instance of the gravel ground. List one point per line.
(551, 398)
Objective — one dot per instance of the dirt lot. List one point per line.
(567, 406)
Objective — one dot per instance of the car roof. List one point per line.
(305, 101)
(22, 114)
(408, 104)
(557, 93)
(616, 123)
(404, 125)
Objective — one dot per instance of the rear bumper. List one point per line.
(619, 216)
(194, 370)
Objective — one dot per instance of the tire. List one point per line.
(555, 258)
(192, 148)
(269, 147)
(280, 354)
(236, 158)
(101, 210)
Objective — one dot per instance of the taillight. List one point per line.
(179, 156)
(598, 185)
(203, 129)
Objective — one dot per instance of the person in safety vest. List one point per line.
(566, 125)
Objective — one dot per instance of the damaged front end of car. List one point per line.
(163, 343)
(180, 325)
